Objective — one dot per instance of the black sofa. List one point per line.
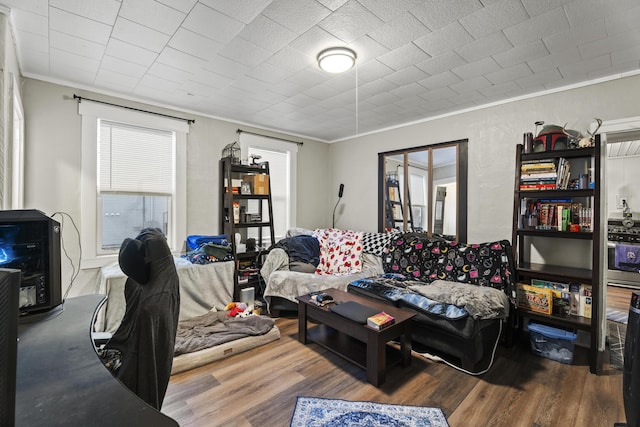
(413, 260)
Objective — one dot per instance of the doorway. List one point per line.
(622, 207)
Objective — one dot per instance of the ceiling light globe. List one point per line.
(336, 59)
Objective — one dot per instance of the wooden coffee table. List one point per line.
(358, 343)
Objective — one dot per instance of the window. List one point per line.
(434, 199)
(134, 177)
(135, 181)
(282, 158)
(12, 153)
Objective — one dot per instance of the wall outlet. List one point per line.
(620, 200)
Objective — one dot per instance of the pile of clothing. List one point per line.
(208, 249)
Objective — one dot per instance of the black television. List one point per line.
(30, 242)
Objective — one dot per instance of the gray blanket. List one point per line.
(480, 301)
(216, 328)
(283, 283)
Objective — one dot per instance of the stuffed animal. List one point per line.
(235, 312)
(238, 309)
(245, 313)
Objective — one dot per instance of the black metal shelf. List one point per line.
(250, 197)
(265, 227)
(555, 194)
(554, 272)
(571, 153)
(522, 241)
(555, 233)
(249, 168)
(252, 224)
(578, 322)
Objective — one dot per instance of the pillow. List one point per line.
(425, 259)
(340, 251)
(374, 243)
(410, 254)
(304, 248)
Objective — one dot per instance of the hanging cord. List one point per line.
(74, 272)
(440, 359)
(357, 107)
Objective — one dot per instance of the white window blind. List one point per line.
(135, 159)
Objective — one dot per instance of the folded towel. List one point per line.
(627, 257)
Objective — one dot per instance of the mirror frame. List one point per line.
(462, 154)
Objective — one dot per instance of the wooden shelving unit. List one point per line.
(552, 269)
(236, 218)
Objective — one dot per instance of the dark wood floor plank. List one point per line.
(260, 387)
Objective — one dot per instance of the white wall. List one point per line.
(53, 156)
(53, 165)
(623, 176)
(493, 134)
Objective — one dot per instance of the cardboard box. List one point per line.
(259, 183)
(560, 294)
(534, 298)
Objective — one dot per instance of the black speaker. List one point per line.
(631, 368)
(9, 290)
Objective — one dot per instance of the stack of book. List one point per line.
(380, 321)
(536, 175)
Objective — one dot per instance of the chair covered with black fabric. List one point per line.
(146, 336)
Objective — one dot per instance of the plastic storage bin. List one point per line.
(552, 343)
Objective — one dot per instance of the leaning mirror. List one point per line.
(433, 197)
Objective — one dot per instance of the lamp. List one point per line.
(340, 191)
(336, 59)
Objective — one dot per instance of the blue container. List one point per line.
(552, 343)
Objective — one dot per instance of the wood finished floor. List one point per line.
(618, 297)
(259, 388)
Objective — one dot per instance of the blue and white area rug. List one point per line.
(319, 412)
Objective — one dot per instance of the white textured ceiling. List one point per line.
(253, 61)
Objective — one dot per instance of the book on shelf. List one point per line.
(550, 214)
(586, 300)
(380, 321)
(537, 168)
(539, 175)
(527, 165)
(564, 172)
(581, 299)
(574, 290)
(538, 186)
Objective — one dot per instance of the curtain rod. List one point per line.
(80, 98)
(267, 136)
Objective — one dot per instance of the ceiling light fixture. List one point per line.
(336, 59)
